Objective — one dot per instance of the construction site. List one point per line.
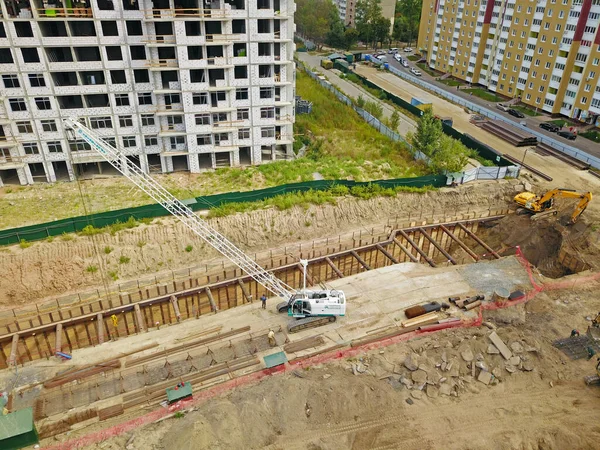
(462, 317)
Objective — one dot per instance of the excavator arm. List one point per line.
(580, 208)
(537, 205)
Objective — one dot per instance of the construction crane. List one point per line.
(542, 206)
(318, 307)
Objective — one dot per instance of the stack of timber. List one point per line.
(310, 342)
(546, 150)
(512, 135)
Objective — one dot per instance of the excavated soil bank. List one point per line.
(554, 248)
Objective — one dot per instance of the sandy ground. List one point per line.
(49, 269)
(563, 174)
(543, 404)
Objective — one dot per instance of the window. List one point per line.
(129, 141)
(145, 98)
(79, 146)
(219, 117)
(122, 99)
(244, 133)
(110, 141)
(267, 113)
(134, 28)
(243, 114)
(202, 119)
(49, 125)
(174, 120)
(37, 80)
(266, 92)
(109, 28)
(175, 141)
(596, 61)
(198, 76)
(203, 139)
(11, 81)
(150, 141)
(221, 137)
(147, 120)
(125, 121)
(54, 147)
(118, 77)
(587, 88)
(113, 53)
(141, 76)
(200, 98)
(241, 94)
(30, 55)
(43, 103)
(267, 132)
(100, 122)
(137, 52)
(31, 148)
(24, 127)
(584, 100)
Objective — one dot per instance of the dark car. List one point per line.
(516, 113)
(552, 127)
(567, 135)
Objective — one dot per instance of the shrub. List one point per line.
(113, 275)
(90, 230)
(92, 269)
(66, 237)
(189, 248)
(24, 244)
(107, 250)
(124, 259)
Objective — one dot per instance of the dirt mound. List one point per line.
(555, 248)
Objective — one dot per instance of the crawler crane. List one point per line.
(310, 308)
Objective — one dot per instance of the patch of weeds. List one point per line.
(92, 269)
(189, 248)
(113, 274)
(179, 414)
(124, 259)
(66, 236)
(141, 244)
(8, 190)
(307, 223)
(107, 250)
(50, 239)
(90, 230)
(146, 220)
(24, 244)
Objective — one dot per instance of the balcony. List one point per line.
(8, 142)
(52, 9)
(8, 161)
(155, 40)
(160, 64)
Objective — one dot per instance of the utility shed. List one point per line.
(17, 430)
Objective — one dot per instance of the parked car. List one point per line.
(567, 135)
(549, 126)
(516, 113)
(404, 63)
(398, 58)
(415, 72)
(393, 50)
(502, 107)
(408, 49)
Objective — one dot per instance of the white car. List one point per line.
(398, 58)
(404, 63)
(415, 72)
(408, 49)
(393, 50)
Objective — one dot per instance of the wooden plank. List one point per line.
(360, 260)
(245, 291)
(405, 250)
(438, 246)
(100, 328)
(334, 267)
(417, 248)
(176, 308)
(479, 241)
(460, 243)
(387, 254)
(213, 306)
(12, 359)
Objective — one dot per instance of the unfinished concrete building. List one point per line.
(178, 84)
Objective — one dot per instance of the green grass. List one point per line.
(305, 199)
(425, 68)
(451, 82)
(124, 259)
(560, 122)
(413, 57)
(527, 111)
(484, 94)
(592, 135)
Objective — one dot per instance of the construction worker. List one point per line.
(271, 337)
(263, 299)
(574, 333)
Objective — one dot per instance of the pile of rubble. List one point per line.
(435, 369)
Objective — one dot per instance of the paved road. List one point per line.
(407, 123)
(586, 145)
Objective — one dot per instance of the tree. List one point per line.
(367, 13)
(314, 19)
(450, 156)
(410, 16)
(381, 29)
(429, 131)
(350, 38)
(394, 121)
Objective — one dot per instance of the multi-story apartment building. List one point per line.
(177, 84)
(547, 52)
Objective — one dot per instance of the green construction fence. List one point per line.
(99, 220)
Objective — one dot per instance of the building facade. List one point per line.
(176, 84)
(546, 52)
(347, 11)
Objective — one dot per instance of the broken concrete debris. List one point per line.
(500, 345)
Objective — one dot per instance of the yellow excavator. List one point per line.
(542, 205)
(593, 334)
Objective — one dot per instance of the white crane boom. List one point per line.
(183, 213)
